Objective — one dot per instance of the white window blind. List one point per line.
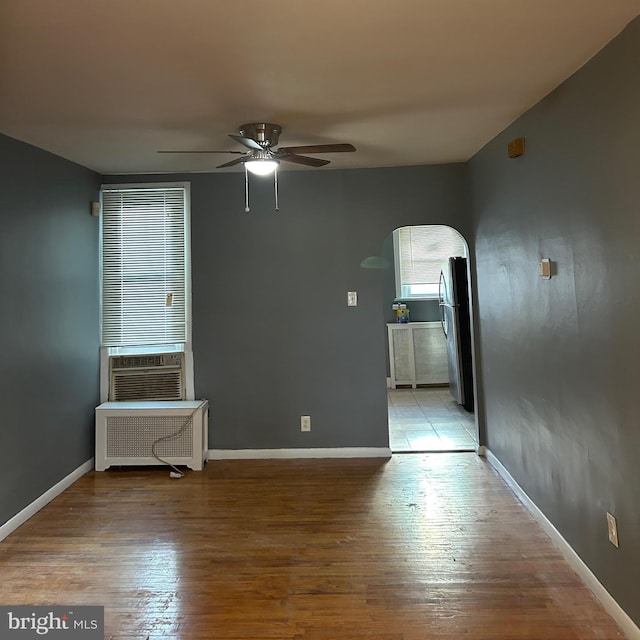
(144, 270)
(420, 253)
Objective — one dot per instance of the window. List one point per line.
(419, 253)
(145, 270)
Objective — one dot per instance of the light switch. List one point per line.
(352, 298)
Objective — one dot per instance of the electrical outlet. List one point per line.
(305, 423)
(612, 526)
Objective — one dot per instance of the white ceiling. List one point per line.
(108, 83)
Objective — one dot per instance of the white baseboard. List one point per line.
(388, 382)
(627, 625)
(256, 454)
(21, 517)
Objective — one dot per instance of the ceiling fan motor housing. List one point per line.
(264, 133)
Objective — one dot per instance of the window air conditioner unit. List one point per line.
(158, 376)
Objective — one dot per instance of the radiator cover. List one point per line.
(126, 431)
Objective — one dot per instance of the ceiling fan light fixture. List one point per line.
(261, 156)
(261, 167)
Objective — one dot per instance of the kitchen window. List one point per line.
(419, 255)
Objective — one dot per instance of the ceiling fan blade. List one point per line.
(231, 163)
(319, 148)
(247, 142)
(311, 162)
(180, 151)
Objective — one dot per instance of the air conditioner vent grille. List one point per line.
(154, 376)
(163, 384)
(133, 436)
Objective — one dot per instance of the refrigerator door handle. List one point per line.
(441, 303)
(442, 289)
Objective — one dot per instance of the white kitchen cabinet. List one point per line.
(417, 354)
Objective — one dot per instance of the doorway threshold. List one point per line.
(403, 452)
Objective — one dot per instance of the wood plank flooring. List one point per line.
(418, 547)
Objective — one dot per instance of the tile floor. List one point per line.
(428, 419)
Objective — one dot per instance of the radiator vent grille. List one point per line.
(126, 431)
(133, 436)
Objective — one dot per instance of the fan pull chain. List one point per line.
(275, 186)
(246, 189)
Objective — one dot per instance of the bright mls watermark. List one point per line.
(51, 622)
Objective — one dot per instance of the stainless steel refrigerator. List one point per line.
(456, 324)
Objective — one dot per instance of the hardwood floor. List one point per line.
(419, 547)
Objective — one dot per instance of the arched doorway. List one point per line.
(429, 363)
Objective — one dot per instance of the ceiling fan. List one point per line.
(262, 157)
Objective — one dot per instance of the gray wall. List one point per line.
(48, 319)
(560, 357)
(273, 337)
